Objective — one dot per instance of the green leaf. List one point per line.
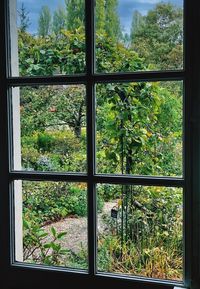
(61, 235)
(26, 224)
(42, 234)
(47, 246)
(53, 231)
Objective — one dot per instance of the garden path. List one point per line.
(76, 228)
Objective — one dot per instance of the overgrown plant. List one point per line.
(41, 247)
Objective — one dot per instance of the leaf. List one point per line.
(55, 246)
(26, 224)
(47, 246)
(53, 231)
(60, 235)
(119, 202)
(42, 234)
(149, 134)
(63, 251)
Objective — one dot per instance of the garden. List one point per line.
(139, 131)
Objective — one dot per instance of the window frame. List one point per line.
(18, 275)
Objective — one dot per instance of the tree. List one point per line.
(159, 38)
(35, 107)
(75, 14)
(107, 18)
(70, 108)
(49, 107)
(59, 21)
(24, 20)
(49, 56)
(112, 22)
(137, 21)
(100, 15)
(67, 56)
(131, 112)
(44, 23)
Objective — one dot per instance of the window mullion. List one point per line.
(48, 80)
(140, 180)
(140, 76)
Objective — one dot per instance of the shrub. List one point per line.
(37, 248)
(51, 201)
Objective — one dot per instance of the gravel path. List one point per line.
(76, 229)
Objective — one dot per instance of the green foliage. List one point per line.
(108, 192)
(59, 21)
(152, 263)
(48, 107)
(35, 109)
(77, 260)
(115, 57)
(131, 107)
(137, 22)
(54, 151)
(112, 23)
(75, 14)
(107, 19)
(47, 56)
(53, 201)
(132, 136)
(100, 16)
(157, 214)
(44, 22)
(159, 36)
(45, 142)
(38, 249)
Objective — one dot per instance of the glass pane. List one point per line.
(52, 124)
(139, 35)
(51, 223)
(139, 128)
(48, 37)
(140, 231)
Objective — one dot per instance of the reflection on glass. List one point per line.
(51, 37)
(54, 223)
(139, 35)
(139, 128)
(140, 231)
(53, 128)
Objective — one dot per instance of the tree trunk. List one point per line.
(77, 130)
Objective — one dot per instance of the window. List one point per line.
(106, 94)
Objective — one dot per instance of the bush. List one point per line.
(54, 151)
(45, 142)
(150, 243)
(51, 201)
(37, 248)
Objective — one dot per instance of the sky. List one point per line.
(125, 9)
